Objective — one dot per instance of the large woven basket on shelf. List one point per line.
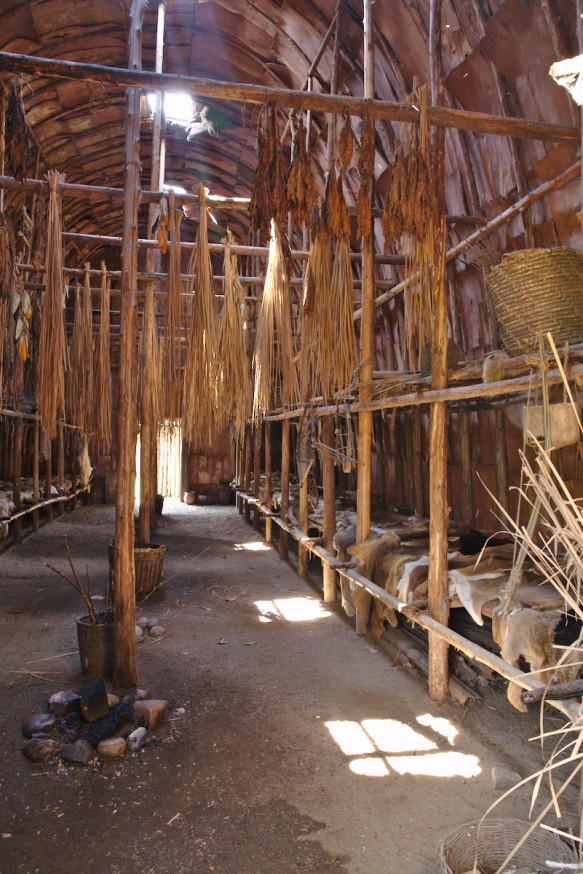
(489, 845)
(537, 289)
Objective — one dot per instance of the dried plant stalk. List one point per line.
(318, 328)
(17, 148)
(335, 217)
(103, 369)
(301, 188)
(81, 381)
(346, 140)
(274, 358)
(234, 378)
(52, 348)
(268, 193)
(172, 379)
(342, 309)
(199, 400)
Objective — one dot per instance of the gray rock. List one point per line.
(94, 702)
(152, 623)
(502, 778)
(112, 748)
(151, 712)
(157, 631)
(139, 634)
(142, 622)
(80, 752)
(63, 703)
(137, 739)
(39, 723)
(40, 749)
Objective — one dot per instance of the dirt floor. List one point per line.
(291, 745)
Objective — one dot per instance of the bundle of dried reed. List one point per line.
(342, 341)
(152, 348)
(268, 193)
(172, 367)
(52, 353)
(102, 392)
(318, 329)
(274, 358)
(81, 381)
(301, 187)
(234, 376)
(199, 398)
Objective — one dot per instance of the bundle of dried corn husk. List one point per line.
(172, 378)
(318, 329)
(366, 170)
(301, 187)
(52, 354)
(234, 377)
(17, 149)
(274, 358)
(81, 357)
(268, 193)
(199, 399)
(102, 392)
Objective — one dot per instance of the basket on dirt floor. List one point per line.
(148, 560)
(537, 289)
(487, 846)
(95, 645)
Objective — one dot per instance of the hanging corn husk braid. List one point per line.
(52, 347)
(276, 377)
(234, 379)
(172, 336)
(103, 369)
(81, 378)
(199, 400)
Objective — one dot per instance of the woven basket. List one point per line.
(148, 560)
(493, 841)
(537, 289)
(95, 646)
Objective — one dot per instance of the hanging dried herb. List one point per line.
(17, 148)
(335, 215)
(172, 362)
(39, 232)
(346, 141)
(301, 187)
(366, 170)
(268, 193)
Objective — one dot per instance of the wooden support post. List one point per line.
(417, 461)
(16, 475)
(48, 473)
(285, 459)
(35, 473)
(329, 524)
(248, 444)
(303, 552)
(60, 464)
(124, 614)
(267, 498)
(147, 418)
(467, 479)
(256, 474)
(438, 498)
(502, 459)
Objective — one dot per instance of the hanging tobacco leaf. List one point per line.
(16, 141)
(301, 187)
(346, 142)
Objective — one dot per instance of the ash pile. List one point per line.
(84, 726)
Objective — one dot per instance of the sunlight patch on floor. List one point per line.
(291, 609)
(253, 546)
(367, 743)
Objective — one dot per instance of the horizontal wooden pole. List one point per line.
(45, 503)
(503, 218)
(438, 116)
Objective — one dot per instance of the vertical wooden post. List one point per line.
(329, 523)
(285, 459)
(124, 665)
(417, 461)
(60, 464)
(248, 443)
(502, 457)
(35, 473)
(48, 473)
(438, 499)
(268, 520)
(303, 552)
(362, 599)
(148, 425)
(256, 473)
(467, 484)
(16, 475)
